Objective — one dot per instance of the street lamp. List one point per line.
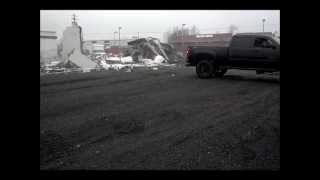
(119, 44)
(263, 20)
(114, 36)
(182, 38)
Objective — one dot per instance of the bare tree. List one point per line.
(173, 34)
(194, 30)
(177, 32)
(233, 28)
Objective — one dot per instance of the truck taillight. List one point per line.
(188, 51)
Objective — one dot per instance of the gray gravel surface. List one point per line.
(164, 119)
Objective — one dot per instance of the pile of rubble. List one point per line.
(150, 48)
(144, 52)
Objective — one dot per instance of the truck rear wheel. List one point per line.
(204, 69)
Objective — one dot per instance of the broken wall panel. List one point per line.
(82, 61)
(71, 45)
(71, 41)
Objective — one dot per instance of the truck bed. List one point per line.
(219, 53)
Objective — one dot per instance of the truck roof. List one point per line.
(254, 34)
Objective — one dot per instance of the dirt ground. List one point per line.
(164, 119)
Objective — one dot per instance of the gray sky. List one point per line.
(100, 24)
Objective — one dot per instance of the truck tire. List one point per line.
(204, 69)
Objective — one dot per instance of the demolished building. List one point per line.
(72, 50)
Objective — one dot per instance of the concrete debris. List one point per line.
(127, 59)
(151, 62)
(129, 70)
(53, 63)
(159, 59)
(150, 48)
(82, 61)
(145, 52)
(172, 53)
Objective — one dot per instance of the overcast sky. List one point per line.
(101, 24)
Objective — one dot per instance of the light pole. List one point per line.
(119, 44)
(263, 20)
(182, 38)
(114, 36)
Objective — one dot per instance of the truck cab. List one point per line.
(254, 52)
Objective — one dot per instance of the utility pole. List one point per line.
(114, 37)
(263, 20)
(119, 44)
(182, 39)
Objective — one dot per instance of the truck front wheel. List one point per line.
(204, 69)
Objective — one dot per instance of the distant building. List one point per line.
(48, 45)
(96, 46)
(220, 40)
(107, 46)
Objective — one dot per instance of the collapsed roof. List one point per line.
(149, 48)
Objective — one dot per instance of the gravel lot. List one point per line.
(163, 119)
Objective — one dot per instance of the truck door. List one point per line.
(240, 51)
(264, 54)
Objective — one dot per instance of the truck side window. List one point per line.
(242, 42)
(262, 42)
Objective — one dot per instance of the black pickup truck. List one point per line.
(247, 51)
